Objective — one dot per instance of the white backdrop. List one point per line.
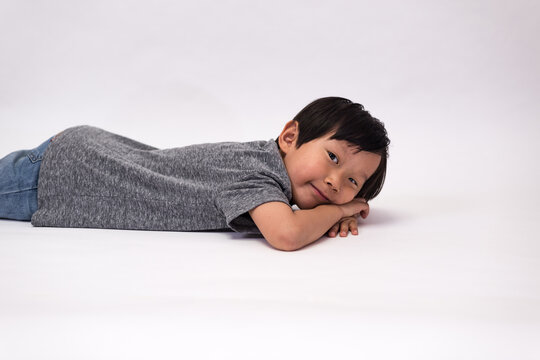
(455, 82)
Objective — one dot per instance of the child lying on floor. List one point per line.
(328, 161)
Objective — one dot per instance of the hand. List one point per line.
(356, 207)
(344, 225)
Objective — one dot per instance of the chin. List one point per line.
(303, 206)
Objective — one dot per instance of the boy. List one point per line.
(329, 161)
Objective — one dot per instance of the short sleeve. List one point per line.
(237, 199)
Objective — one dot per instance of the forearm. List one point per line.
(286, 229)
(310, 225)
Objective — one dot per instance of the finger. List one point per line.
(364, 213)
(354, 227)
(344, 228)
(333, 230)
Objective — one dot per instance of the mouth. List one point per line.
(320, 194)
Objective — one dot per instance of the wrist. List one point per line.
(340, 211)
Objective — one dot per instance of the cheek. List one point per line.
(307, 171)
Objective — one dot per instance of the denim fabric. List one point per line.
(19, 174)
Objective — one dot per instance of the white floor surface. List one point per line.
(421, 282)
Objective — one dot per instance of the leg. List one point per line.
(19, 173)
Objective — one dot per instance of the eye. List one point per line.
(333, 157)
(353, 181)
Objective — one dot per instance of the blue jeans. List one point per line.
(19, 174)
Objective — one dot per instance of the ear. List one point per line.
(289, 135)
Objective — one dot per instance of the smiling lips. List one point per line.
(320, 194)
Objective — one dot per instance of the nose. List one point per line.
(333, 183)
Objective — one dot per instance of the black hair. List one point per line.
(348, 121)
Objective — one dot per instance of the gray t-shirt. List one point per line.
(93, 178)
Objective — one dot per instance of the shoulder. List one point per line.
(256, 172)
(261, 151)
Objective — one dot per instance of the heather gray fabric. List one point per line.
(93, 178)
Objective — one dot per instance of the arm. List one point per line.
(288, 230)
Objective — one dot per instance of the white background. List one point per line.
(448, 264)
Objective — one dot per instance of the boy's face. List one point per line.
(324, 171)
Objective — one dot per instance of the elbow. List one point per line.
(285, 241)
